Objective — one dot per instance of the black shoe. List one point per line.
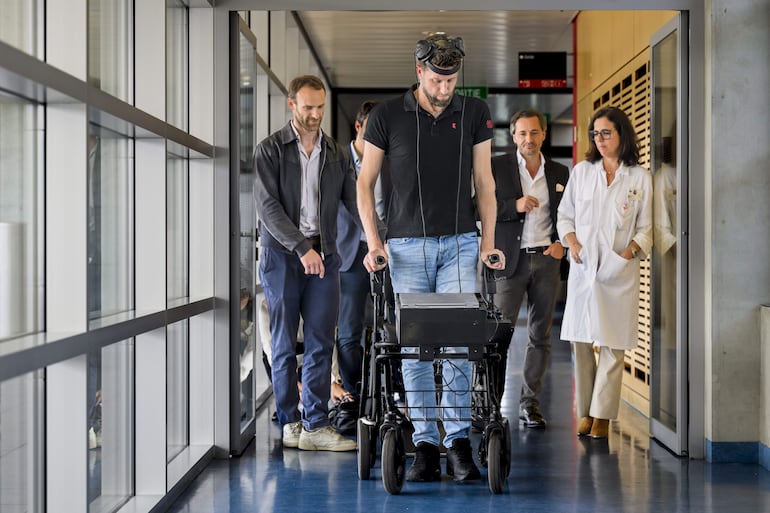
(531, 417)
(459, 461)
(426, 465)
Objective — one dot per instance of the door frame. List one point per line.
(677, 441)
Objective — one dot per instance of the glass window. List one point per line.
(178, 219)
(110, 44)
(666, 247)
(21, 444)
(110, 401)
(18, 24)
(21, 185)
(177, 49)
(110, 223)
(178, 388)
(247, 76)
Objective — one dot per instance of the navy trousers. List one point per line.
(290, 293)
(354, 289)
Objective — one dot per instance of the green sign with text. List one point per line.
(473, 91)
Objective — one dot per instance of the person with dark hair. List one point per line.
(529, 189)
(301, 176)
(438, 146)
(354, 278)
(605, 219)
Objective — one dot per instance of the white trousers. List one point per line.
(597, 383)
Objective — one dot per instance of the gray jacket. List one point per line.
(278, 196)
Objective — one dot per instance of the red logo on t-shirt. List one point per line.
(454, 125)
(490, 124)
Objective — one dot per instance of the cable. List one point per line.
(457, 199)
(459, 187)
(457, 372)
(419, 186)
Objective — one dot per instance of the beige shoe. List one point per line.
(291, 434)
(584, 427)
(325, 439)
(600, 428)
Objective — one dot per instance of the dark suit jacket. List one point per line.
(348, 231)
(510, 224)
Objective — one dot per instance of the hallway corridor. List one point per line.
(552, 470)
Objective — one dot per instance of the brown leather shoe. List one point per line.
(584, 427)
(600, 428)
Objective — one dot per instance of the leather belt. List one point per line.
(538, 249)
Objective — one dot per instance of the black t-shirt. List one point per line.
(424, 158)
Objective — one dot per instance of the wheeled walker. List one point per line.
(428, 322)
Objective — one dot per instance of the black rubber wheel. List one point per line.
(507, 447)
(365, 450)
(393, 463)
(496, 462)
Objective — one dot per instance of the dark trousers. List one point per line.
(537, 275)
(354, 290)
(290, 293)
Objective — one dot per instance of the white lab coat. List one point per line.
(603, 290)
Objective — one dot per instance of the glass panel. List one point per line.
(21, 184)
(21, 446)
(248, 74)
(177, 242)
(110, 223)
(18, 24)
(110, 401)
(663, 404)
(178, 388)
(177, 32)
(110, 43)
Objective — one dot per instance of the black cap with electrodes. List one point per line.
(450, 49)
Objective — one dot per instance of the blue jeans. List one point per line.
(436, 264)
(290, 293)
(354, 289)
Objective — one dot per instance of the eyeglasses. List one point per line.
(606, 133)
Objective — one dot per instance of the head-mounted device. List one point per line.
(427, 48)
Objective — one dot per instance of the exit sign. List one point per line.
(473, 91)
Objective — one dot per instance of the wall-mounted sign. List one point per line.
(473, 91)
(542, 69)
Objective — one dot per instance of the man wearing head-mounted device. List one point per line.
(439, 149)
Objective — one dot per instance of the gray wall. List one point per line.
(738, 219)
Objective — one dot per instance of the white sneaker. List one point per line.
(325, 439)
(94, 439)
(291, 434)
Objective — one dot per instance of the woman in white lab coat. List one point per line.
(605, 220)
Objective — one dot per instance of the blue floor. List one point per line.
(552, 470)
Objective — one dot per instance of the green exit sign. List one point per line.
(473, 91)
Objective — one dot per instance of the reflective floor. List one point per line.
(552, 470)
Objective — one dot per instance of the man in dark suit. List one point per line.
(354, 278)
(529, 189)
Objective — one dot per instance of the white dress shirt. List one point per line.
(538, 226)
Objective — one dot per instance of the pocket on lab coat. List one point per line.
(612, 268)
(624, 217)
(624, 213)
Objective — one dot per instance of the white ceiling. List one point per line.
(375, 49)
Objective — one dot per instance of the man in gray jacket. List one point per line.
(301, 176)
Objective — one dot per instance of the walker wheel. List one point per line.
(393, 462)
